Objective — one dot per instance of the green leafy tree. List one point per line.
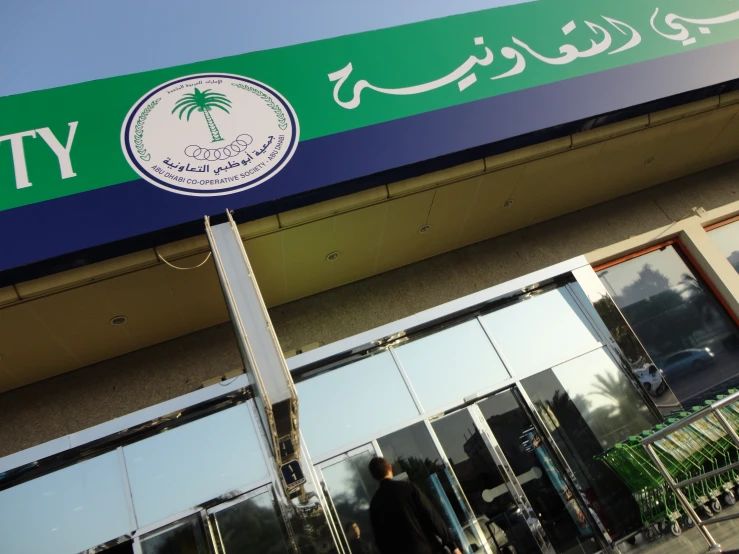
(203, 102)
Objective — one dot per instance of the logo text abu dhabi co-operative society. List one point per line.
(210, 134)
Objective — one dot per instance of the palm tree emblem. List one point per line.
(203, 102)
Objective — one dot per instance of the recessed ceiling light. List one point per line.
(118, 320)
(508, 203)
(332, 256)
(424, 229)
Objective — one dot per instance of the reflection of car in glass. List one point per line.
(694, 359)
(651, 380)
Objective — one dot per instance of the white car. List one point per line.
(651, 379)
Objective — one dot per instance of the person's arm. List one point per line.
(433, 522)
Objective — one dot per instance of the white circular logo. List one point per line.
(210, 134)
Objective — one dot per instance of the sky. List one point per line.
(50, 43)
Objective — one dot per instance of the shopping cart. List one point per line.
(683, 468)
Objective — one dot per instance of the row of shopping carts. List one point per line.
(684, 471)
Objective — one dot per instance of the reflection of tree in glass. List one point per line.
(251, 526)
(649, 282)
(309, 526)
(179, 540)
(703, 303)
(614, 417)
(352, 499)
(611, 500)
(662, 318)
(419, 470)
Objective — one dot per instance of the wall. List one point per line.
(100, 392)
(357, 307)
(77, 400)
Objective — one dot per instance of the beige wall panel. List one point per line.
(183, 248)
(268, 263)
(677, 147)
(332, 207)
(355, 235)
(450, 209)
(8, 381)
(401, 242)
(29, 350)
(98, 393)
(8, 296)
(487, 217)
(86, 274)
(145, 301)
(259, 227)
(686, 110)
(430, 180)
(552, 186)
(725, 147)
(197, 293)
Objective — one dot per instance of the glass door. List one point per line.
(416, 456)
(508, 523)
(251, 523)
(349, 487)
(540, 484)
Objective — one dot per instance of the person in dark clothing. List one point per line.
(403, 520)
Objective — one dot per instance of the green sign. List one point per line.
(64, 141)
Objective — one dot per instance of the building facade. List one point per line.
(491, 310)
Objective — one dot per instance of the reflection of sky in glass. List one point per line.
(727, 239)
(346, 404)
(181, 468)
(67, 511)
(620, 279)
(540, 332)
(606, 399)
(452, 364)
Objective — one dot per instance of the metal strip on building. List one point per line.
(265, 365)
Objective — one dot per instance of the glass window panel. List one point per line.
(607, 400)
(350, 487)
(184, 537)
(540, 332)
(358, 400)
(414, 456)
(452, 364)
(67, 511)
(578, 431)
(183, 467)
(500, 518)
(531, 461)
(122, 548)
(727, 239)
(682, 325)
(251, 526)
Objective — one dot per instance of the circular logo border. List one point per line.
(132, 161)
